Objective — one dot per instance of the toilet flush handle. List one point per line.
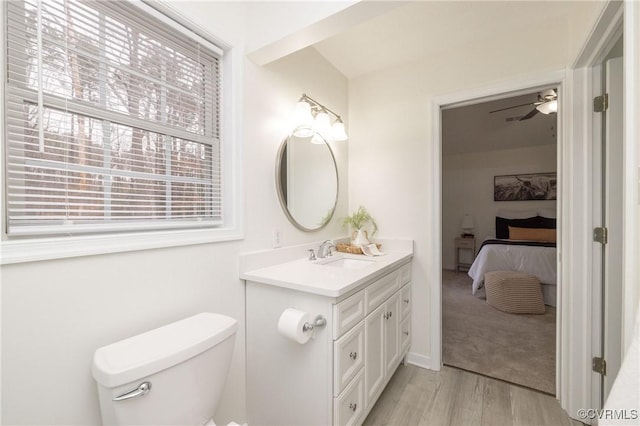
(141, 390)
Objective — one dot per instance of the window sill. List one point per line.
(32, 250)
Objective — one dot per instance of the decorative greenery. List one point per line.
(359, 219)
(326, 218)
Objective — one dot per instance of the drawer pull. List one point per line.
(390, 313)
(353, 355)
(406, 301)
(406, 333)
(353, 406)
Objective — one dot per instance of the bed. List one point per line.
(524, 244)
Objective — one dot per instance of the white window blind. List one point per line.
(112, 118)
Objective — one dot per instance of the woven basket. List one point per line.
(348, 248)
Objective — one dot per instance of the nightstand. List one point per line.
(464, 243)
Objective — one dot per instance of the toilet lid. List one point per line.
(147, 353)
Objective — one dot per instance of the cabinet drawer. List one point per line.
(405, 274)
(405, 334)
(405, 300)
(381, 290)
(348, 407)
(348, 358)
(347, 313)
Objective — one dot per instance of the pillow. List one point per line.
(516, 214)
(547, 213)
(546, 222)
(502, 225)
(532, 234)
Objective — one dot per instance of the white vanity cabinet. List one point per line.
(337, 376)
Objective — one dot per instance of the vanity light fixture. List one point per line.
(311, 116)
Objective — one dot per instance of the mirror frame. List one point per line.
(280, 190)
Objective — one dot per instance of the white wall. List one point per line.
(390, 169)
(56, 313)
(467, 187)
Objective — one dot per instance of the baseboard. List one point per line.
(421, 361)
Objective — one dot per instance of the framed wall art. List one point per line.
(524, 187)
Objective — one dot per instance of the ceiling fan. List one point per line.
(547, 103)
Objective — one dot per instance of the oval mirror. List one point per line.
(307, 181)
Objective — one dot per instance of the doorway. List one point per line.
(511, 139)
(514, 87)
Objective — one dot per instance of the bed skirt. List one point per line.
(549, 294)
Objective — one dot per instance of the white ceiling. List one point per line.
(474, 128)
(418, 29)
(421, 29)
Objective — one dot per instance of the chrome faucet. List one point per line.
(325, 249)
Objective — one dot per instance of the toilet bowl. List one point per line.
(172, 375)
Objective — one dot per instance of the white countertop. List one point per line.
(319, 277)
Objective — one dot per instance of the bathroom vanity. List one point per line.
(337, 376)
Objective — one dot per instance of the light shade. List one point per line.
(317, 139)
(303, 120)
(303, 131)
(337, 131)
(322, 124)
(548, 107)
(467, 222)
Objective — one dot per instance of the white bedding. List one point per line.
(534, 260)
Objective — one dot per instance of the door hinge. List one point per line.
(599, 365)
(601, 235)
(601, 103)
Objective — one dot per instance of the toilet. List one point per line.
(172, 375)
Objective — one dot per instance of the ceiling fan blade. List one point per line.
(511, 107)
(531, 114)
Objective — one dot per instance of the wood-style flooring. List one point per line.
(415, 396)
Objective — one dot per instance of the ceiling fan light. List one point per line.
(548, 107)
(549, 95)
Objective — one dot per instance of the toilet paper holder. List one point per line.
(318, 322)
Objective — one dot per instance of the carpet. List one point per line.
(520, 349)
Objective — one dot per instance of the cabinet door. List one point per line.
(374, 366)
(392, 332)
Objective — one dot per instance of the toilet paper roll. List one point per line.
(291, 323)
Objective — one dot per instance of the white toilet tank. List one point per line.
(171, 375)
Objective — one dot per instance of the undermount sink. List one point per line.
(349, 263)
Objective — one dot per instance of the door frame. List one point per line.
(617, 17)
(508, 88)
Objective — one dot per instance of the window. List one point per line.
(112, 121)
